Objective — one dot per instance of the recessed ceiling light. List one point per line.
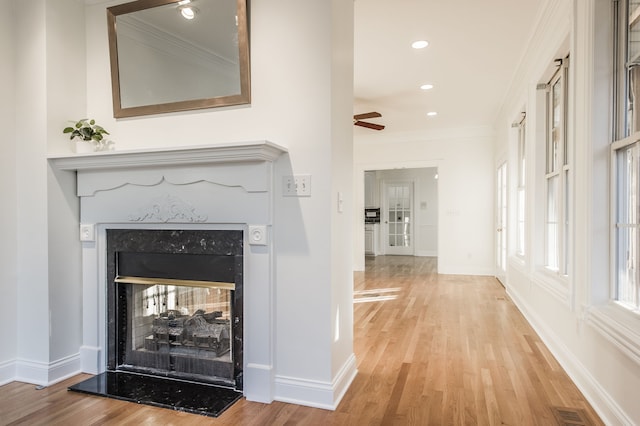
(426, 86)
(432, 113)
(420, 44)
(188, 12)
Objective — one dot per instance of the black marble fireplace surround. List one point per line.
(201, 255)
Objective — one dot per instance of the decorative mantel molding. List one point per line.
(168, 209)
(254, 151)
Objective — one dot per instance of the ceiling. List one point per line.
(474, 49)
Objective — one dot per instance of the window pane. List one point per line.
(552, 223)
(565, 228)
(627, 266)
(627, 226)
(633, 72)
(555, 133)
(520, 231)
(632, 107)
(521, 156)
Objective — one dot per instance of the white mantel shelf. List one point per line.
(254, 151)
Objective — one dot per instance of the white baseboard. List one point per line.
(465, 270)
(7, 372)
(608, 410)
(46, 374)
(343, 379)
(426, 253)
(313, 393)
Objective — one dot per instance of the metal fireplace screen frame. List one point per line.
(198, 259)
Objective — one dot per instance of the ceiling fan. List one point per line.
(358, 117)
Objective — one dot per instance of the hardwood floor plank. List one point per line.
(431, 350)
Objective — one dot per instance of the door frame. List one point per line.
(501, 221)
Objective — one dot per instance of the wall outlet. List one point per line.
(296, 186)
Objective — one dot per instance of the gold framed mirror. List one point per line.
(170, 55)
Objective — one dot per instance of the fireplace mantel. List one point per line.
(217, 187)
(254, 151)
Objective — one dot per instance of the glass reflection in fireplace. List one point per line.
(180, 331)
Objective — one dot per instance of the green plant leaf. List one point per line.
(87, 130)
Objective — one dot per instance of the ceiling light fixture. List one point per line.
(432, 113)
(426, 86)
(187, 11)
(420, 44)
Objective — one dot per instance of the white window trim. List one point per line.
(556, 285)
(618, 325)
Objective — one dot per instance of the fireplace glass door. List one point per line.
(180, 330)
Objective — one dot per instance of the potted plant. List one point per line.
(88, 131)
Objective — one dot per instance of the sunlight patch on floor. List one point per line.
(375, 295)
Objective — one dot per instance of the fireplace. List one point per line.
(174, 319)
(203, 205)
(175, 304)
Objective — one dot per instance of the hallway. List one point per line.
(451, 349)
(431, 350)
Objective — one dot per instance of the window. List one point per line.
(521, 167)
(627, 225)
(628, 69)
(626, 157)
(556, 256)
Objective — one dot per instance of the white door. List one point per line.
(398, 217)
(501, 223)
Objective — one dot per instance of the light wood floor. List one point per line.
(431, 350)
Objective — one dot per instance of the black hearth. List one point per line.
(174, 319)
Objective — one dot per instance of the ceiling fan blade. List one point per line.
(369, 125)
(367, 115)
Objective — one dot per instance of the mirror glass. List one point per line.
(162, 61)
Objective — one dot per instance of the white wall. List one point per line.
(301, 87)
(45, 72)
(341, 205)
(465, 191)
(600, 353)
(65, 44)
(32, 258)
(8, 187)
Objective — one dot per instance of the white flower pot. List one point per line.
(84, 147)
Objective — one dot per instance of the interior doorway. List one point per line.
(407, 199)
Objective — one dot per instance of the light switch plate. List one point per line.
(296, 186)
